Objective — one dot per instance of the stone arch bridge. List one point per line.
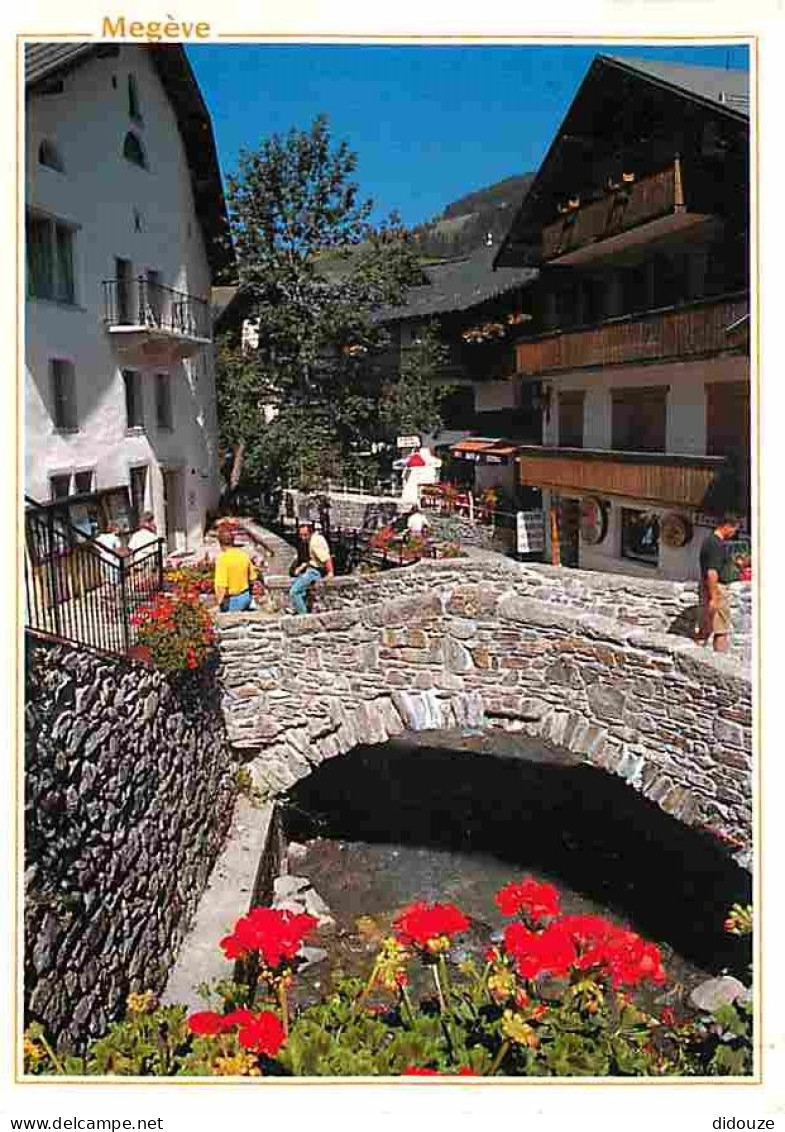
(584, 662)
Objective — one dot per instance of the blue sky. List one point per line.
(428, 123)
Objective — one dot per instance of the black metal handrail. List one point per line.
(142, 303)
(80, 591)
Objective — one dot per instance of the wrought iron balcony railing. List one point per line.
(142, 305)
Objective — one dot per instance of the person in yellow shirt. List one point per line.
(235, 574)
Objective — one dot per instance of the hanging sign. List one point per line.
(675, 530)
(594, 520)
(530, 532)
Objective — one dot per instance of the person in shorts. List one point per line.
(716, 565)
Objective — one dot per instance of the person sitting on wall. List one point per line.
(716, 568)
(318, 564)
(235, 575)
(145, 534)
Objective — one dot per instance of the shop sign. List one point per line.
(594, 520)
(675, 530)
(530, 531)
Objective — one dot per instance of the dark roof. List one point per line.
(603, 107)
(459, 284)
(728, 87)
(45, 63)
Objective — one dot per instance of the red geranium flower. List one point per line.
(537, 901)
(430, 927)
(536, 953)
(206, 1022)
(240, 1017)
(415, 1071)
(275, 935)
(263, 1033)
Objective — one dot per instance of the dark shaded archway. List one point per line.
(539, 809)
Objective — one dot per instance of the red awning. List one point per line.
(481, 448)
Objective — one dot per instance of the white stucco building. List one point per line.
(125, 229)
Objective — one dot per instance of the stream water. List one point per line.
(454, 816)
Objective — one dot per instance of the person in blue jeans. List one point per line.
(318, 564)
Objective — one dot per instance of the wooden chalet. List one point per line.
(638, 346)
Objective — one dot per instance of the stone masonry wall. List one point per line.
(129, 793)
(674, 721)
(662, 606)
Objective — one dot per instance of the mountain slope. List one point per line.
(465, 223)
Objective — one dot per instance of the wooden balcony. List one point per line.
(700, 329)
(646, 210)
(675, 481)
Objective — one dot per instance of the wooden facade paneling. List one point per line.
(673, 481)
(617, 212)
(695, 330)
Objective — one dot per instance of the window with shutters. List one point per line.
(64, 412)
(639, 418)
(571, 418)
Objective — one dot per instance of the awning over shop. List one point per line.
(485, 450)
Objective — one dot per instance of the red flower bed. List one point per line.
(536, 901)
(430, 927)
(584, 943)
(274, 935)
(262, 1033)
(176, 630)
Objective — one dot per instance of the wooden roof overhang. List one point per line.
(620, 120)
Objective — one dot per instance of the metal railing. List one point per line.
(82, 592)
(142, 303)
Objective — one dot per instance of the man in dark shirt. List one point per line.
(715, 564)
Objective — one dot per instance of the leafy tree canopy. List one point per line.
(316, 272)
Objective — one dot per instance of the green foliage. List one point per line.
(314, 271)
(412, 403)
(722, 1046)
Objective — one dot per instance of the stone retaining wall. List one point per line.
(129, 793)
(674, 721)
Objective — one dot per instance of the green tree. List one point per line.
(316, 273)
(412, 403)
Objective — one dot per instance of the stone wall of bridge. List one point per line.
(674, 721)
(661, 606)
